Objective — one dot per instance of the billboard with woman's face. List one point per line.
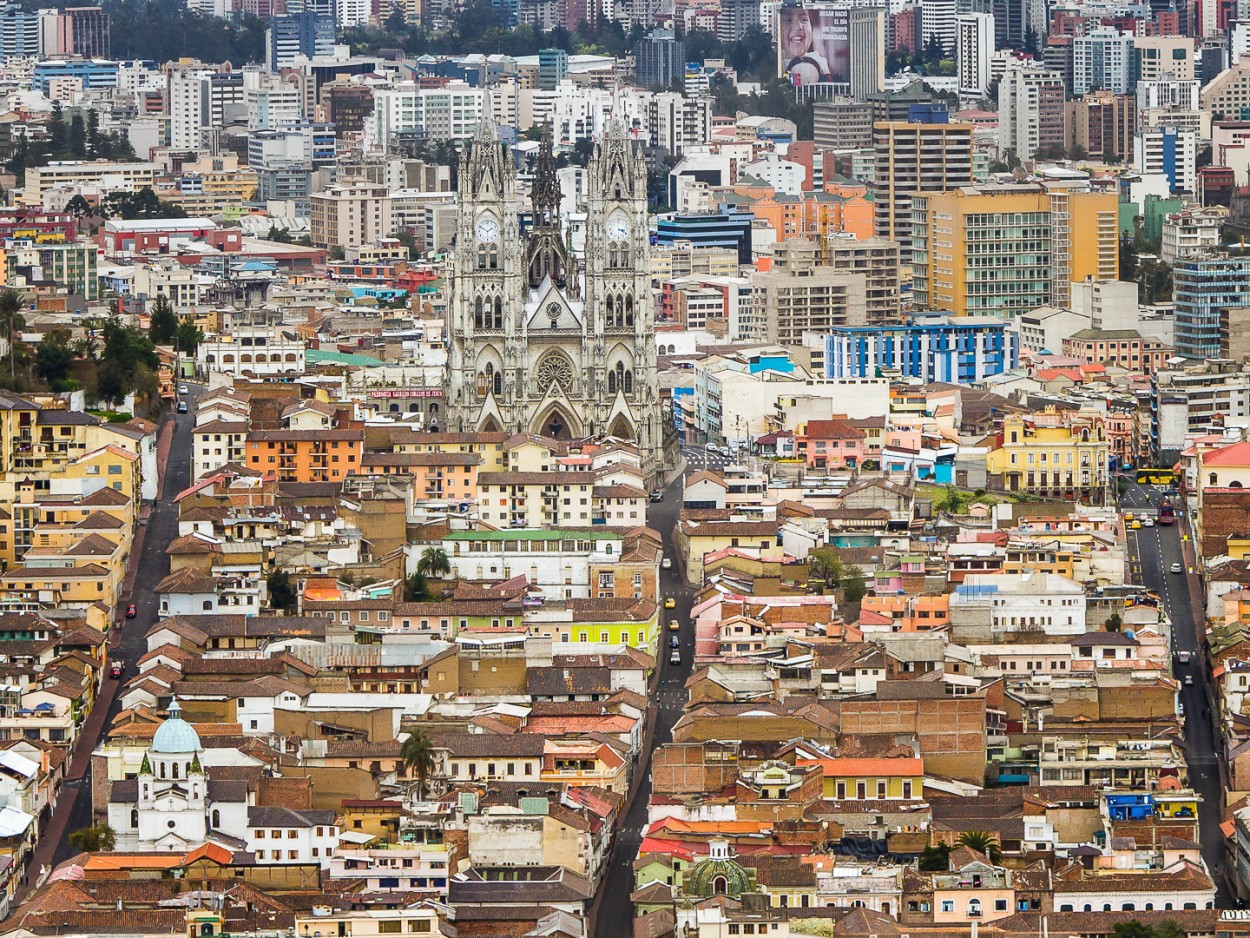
(813, 43)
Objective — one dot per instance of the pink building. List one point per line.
(830, 444)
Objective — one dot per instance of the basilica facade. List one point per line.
(540, 341)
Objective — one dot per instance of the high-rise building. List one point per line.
(202, 98)
(1170, 151)
(537, 345)
(842, 124)
(553, 68)
(310, 35)
(81, 31)
(736, 17)
(802, 295)
(877, 260)
(350, 214)
(19, 32)
(660, 59)
(867, 29)
(1010, 23)
(1030, 111)
(937, 21)
(1005, 250)
(1202, 288)
(1157, 56)
(912, 158)
(974, 42)
(1102, 60)
(1102, 124)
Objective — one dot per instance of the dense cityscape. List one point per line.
(867, 383)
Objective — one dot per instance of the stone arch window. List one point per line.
(488, 256)
(497, 321)
(629, 309)
(174, 770)
(216, 819)
(292, 357)
(477, 313)
(134, 817)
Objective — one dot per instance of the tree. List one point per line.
(1114, 622)
(434, 562)
(935, 858)
(982, 842)
(188, 337)
(53, 358)
(281, 591)
(416, 589)
(419, 759)
(854, 584)
(162, 321)
(1030, 41)
(952, 501)
(99, 838)
(824, 564)
(11, 319)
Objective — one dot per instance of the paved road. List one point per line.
(697, 457)
(614, 911)
(1156, 550)
(153, 566)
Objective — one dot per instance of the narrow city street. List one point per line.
(149, 564)
(613, 912)
(1152, 552)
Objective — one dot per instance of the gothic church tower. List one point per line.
(539, 343)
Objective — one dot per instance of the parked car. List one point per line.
(657, 496)
(116, 669)
(131, 611)
(183, 389)
(667, 563)
(182, 407)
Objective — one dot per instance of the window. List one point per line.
(390, 928)
(948, 905)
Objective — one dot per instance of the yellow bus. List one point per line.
(1156, 476)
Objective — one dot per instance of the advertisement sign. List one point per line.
(813, 43)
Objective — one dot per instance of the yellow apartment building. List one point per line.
(1005, 250)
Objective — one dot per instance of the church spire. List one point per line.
(545, 192)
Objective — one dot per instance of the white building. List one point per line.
(1045, 603)
(215, 443)
(786, 177)
(1020, 101)
(256, 350)
(974, 43)
(1170, 151)
(1102, 61)
(1189, 233)
(200, 99)
(273, 100)
(451, 112)
(556, 562)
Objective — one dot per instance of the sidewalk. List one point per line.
(77, 772)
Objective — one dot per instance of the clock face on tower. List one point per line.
(618, 227)
(487, 229)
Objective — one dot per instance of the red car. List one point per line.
(116, 669)
(131, 612)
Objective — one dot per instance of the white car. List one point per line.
(666, 563)
(1177, 568)
(183, 389)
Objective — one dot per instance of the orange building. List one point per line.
(437, 476)
(841, 207)
(306, 455)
